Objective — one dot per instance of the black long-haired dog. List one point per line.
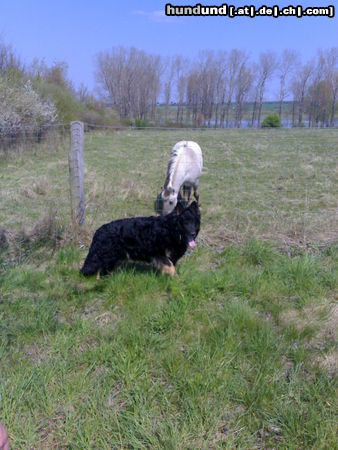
(162, 239)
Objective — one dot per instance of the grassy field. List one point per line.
(239, 351)
(272, 184)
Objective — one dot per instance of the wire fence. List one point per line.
(26, 138)
(271, 184)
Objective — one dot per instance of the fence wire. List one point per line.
(275, 184)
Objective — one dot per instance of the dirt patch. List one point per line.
(37, 355)
(107, 319)
(114, 400)
(41, 186)
(29, 193)
(211, 236)
(329, 362)
(323, 318)
(49, 426)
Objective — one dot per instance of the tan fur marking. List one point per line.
(165, 269)
(168, 270)
(98, 274)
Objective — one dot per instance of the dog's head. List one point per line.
(189, 221)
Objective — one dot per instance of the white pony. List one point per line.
(184, 169)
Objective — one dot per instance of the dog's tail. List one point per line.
(91, 265)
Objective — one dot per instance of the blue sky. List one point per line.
(74, 31)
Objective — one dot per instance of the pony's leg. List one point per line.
(196, 193)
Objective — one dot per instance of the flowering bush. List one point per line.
(21, 106)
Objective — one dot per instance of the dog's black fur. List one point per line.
(163, 238)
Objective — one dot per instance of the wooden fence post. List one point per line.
(76, 172)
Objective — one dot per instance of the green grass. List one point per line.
(139, 360)
(238, 351)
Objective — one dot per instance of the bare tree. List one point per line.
(169, 72)
(266, 68)
(207, 78)
(220, 88)
(193, 94)
(286, 65)
(234, 62)
(58, 74)
(131, 79)
(299, 86)
(329, 59)
(317, 103)
(181, 69)
(83, 93)
(10, 63)
(317, 95)
(109, 69)
(241, 91)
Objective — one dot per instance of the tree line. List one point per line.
(221, 89)
(215, 88)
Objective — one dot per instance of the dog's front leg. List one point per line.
(165, 266)
(98, 275)
(168, 270)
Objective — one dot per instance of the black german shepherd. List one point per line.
(162, 239)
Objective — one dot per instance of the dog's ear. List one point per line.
(179, 208)
(194, 206)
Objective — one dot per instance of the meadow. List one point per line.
(238, 351)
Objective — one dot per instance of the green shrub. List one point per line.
(141, 123)
(271, 121)
(68, 107)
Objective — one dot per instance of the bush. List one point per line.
(21, 105)
(271, 121)
(141, 123)
(67, 106)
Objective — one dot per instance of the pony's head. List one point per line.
(169, 199)
(181, 203)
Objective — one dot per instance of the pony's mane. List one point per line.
(174, 156)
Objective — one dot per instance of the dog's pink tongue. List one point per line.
(192, 244)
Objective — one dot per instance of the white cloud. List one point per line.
(157, 16)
